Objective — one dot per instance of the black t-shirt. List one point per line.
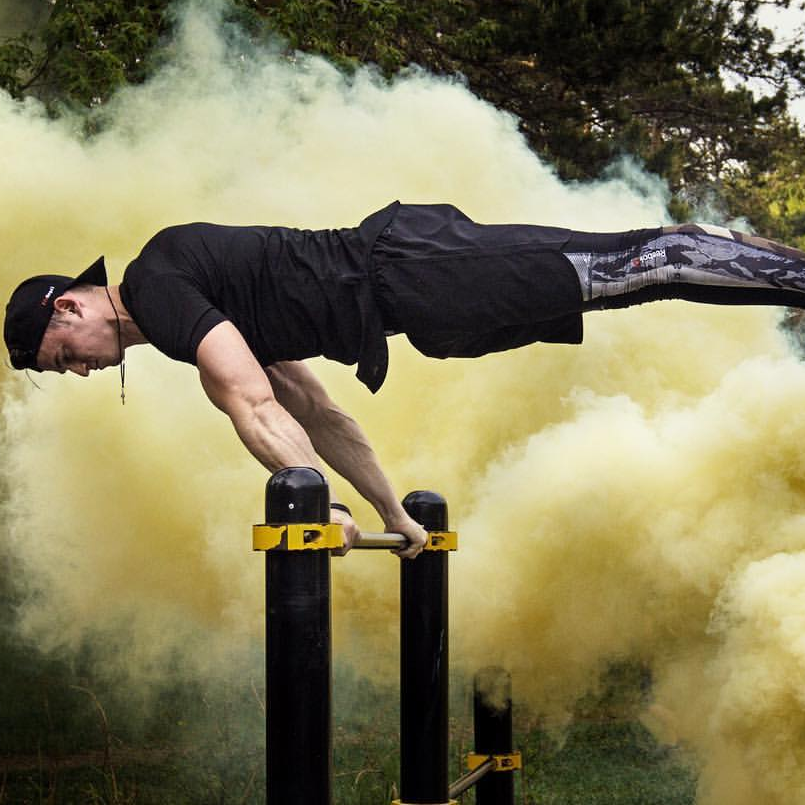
(288, 291)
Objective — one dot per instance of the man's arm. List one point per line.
(341, 442)
(236, 384)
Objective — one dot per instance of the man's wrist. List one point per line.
(341, 507)
(394, 517)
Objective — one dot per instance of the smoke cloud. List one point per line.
(640, 496)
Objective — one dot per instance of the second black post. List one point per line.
(424, 665)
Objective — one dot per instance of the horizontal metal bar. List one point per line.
(437, 541)
(469, 779)
(369, 541)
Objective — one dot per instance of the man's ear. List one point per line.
(67, 303)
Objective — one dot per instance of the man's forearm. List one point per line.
(275, 438)
(341, 442)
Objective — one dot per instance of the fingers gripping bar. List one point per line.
(318, 536)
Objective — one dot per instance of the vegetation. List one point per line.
(84, 51)
(204, 746)
(588, 79)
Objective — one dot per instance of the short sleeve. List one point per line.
(172, 313)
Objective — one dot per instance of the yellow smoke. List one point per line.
(638, 496)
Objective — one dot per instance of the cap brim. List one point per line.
(94, 275)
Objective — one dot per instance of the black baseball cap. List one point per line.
(30, 308)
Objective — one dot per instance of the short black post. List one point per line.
(492, 713)
(298, 648)
(424, 662)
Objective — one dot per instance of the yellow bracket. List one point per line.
(442, 541)
(509, 762)
(318, 536)
(297, 536)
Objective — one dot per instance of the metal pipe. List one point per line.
(298, 649)
(424, 661)
(492, 716)
(368, 540)
(469, 779)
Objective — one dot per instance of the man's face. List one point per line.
(85, 342)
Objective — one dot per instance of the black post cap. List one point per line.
(429, 509)
(297, 495)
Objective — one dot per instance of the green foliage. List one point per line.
(346, 32)
(17, 59)
(86, 50)
(590, 80)
(773, 198)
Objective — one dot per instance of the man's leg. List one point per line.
(695, 262)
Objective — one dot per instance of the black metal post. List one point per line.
(492, 712)
(424, 662)
(298, 648)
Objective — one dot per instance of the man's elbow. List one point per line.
(240, 401)
(266, 411)
(265, 428)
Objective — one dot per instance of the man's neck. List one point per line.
(129, 331)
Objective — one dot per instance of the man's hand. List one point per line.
(348, 526)
(402, 524)
(417, 536)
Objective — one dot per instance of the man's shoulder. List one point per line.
(187, 233)
(160, 256)
(177, 248)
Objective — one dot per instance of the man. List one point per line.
(247, 304)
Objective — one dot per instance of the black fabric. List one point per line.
(291, 293)
(629, 241)
(461, 289)
(456, 288)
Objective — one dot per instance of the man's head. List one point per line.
(40, 306)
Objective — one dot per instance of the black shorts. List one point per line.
(461, 289)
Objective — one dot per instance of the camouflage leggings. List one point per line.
(695, 262)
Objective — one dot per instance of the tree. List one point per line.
(774, 199)
(589, 80)
(85, 50)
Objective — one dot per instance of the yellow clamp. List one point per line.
(442, 541)
(316, 536)
(297, 536)
(508, 762)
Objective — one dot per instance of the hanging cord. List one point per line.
(33, 382)
(120, 349)
(27, 374)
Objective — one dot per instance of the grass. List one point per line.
(205, 747)
(608, 762)
(614, 763)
